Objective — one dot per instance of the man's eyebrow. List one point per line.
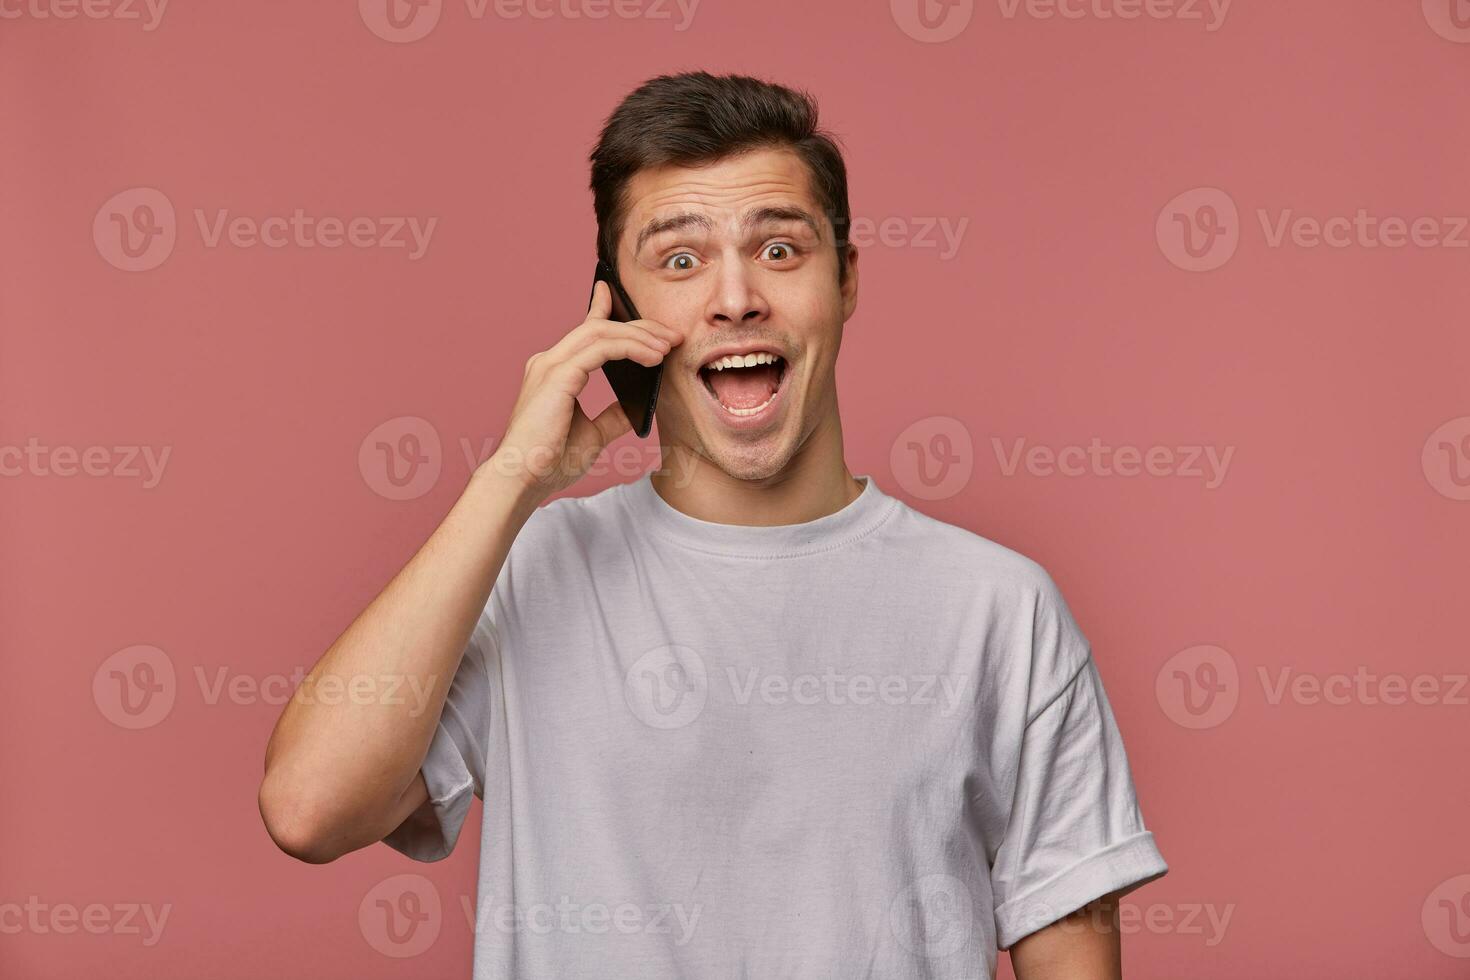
(785, 212)
(671, 222)
(693, 219)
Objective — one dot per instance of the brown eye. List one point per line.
(682, 262)
(779, 251)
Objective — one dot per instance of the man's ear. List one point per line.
(850, 284)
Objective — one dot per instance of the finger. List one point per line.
(595, 355)
(595, 331)
(571, 375)
(672, 334)
(601, 307)
(575, 345)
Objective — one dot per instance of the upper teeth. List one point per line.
(742, 360)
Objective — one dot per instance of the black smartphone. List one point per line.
(635, 385)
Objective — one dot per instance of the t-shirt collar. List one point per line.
(860, 517)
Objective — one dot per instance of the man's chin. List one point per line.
(752, 460)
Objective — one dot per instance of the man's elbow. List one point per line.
(294, 825)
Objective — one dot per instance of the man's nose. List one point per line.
(737, 298)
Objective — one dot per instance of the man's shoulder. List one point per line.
(951, 549)
(583, 515)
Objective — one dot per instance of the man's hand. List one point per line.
(1082, 946)
(550, 442)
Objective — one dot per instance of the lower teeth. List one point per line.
(747, 411)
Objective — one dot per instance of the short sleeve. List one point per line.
(454, 767)
(1075, 832)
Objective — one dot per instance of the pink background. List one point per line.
(1332, 835)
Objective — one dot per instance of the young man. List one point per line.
(748, 715)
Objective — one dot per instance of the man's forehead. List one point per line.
(726, 189)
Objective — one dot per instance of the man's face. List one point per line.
(739, 255)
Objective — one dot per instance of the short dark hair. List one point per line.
(697, 118)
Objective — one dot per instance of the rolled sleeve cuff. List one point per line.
(430, 832)
(1120, 867)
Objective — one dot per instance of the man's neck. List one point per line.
(815, 483)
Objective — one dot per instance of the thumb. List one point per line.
(612, 422)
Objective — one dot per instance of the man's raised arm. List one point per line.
(341, 775)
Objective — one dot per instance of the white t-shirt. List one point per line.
(870, 745)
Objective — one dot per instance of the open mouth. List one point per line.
(744, 384)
